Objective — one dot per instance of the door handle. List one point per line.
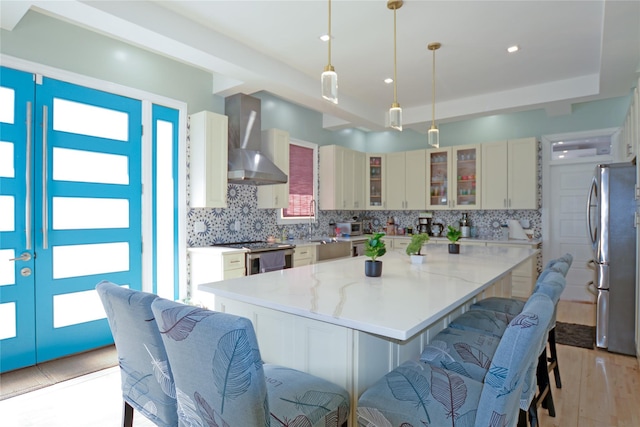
(26, 256)
(27, 204)
(45, 207)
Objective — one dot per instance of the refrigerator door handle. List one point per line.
(592, 190)
(602, 319)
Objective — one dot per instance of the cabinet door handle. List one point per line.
(504, 203)
(234, 261)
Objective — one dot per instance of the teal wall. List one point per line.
(48, 41)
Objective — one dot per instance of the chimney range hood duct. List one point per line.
(247, 165)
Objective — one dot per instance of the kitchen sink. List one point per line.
(332, 249)
(324, 240)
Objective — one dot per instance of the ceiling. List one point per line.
(570, 51)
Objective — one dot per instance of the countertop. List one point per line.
(405, 300)
(304, 242)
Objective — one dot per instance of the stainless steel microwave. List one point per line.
(349, 228)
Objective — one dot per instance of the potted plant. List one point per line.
(374, 248)
(414, 248)
(453, 234)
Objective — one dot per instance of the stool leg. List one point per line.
(553, 359)
(127, 415)
(533, 413)
(544, 385)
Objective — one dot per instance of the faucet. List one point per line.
(312, 212)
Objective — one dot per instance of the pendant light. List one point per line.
(433, 136)
(395, 112)
(329, 78)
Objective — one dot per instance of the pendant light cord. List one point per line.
(433, 92)
(329, 63)
(395, 92)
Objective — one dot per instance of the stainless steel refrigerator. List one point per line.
(611, 226)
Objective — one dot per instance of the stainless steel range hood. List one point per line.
(247, 165)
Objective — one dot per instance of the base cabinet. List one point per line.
(209, 266)
(525, 275)
(304, 255)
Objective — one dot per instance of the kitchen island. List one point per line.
(332, 321)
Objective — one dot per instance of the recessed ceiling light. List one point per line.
(388, 80)
(324, 37)
(512, 49)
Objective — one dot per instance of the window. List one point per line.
(303, 172)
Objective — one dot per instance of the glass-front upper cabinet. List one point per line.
(466, 171)
(375, 181)
(438, 173)
(453, 175)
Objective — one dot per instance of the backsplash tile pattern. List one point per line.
(258, 224)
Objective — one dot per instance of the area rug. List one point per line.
(575, 335)
(24, 380)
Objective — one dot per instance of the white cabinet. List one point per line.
(523, 277)
(405, 178)
(213, 265)
(629, 136)
(275, 145)
(510, 174)
(358, 180)
(304, 255)
(341, 178)
(453, 175)
(208, 160)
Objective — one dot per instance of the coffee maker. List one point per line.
(424, 223)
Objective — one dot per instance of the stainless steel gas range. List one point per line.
(263, 256)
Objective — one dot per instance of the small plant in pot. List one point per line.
(374, 248)
(453, 234)
(415, 246)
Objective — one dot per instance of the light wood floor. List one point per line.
(599, 389)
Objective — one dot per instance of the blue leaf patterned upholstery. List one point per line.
(417, 394)
(147, 382)
(221, 379)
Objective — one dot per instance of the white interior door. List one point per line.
(568, 190)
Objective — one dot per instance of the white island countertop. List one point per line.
(397, 305)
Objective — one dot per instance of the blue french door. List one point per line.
(73, 193)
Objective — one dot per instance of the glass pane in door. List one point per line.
(88, 166)
(438, 178)
(375, 181)
(466, 177)
(7, 320)
(7, 219)
(89, 120)
(7, 169)
(7, 105)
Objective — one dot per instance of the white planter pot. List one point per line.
(418, 259)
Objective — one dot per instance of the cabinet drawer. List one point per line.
(233, 273)
(233, 261)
